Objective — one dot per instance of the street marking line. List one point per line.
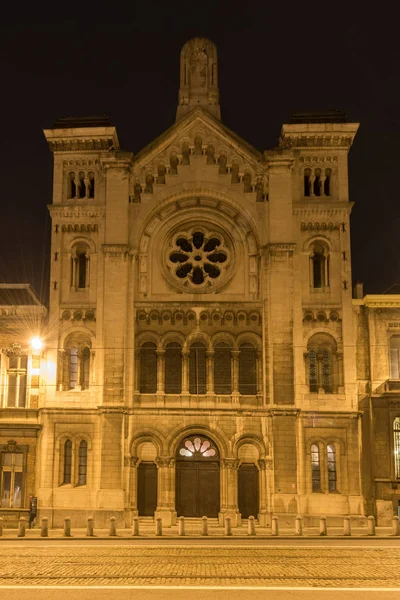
(195, 587)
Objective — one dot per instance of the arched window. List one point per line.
(395, 357)
(327, 182)
(197, 368)
(71, 191)
(67, 462)
(173, 368)
(247, 369)
(73, 367)
(315, 468)
(148, 368)
(319, 266)
(82, 464)
(307, 175)
(317, 182)
(396, 434)
(331, 456)
(82, 185)
(80, 267)
(222, 369)
(322, 364)
(91, 185)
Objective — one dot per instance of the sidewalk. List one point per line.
(194, 531)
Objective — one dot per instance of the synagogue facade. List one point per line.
(203, 354)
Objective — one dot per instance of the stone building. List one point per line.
(204, 355)
(21, 393)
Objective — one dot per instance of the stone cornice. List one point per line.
(61, 211)
(323, 211)
(318, 135)
(115, 249)
(82, 139)
(381, 300)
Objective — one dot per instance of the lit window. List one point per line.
(396, 433)
(315, 469)
(11, 479)
(67, 462)
(16, 381)
(198, 448)
(82, 465)
(331, 455)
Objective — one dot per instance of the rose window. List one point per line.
(198, 258)
(197, 448)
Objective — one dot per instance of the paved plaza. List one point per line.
(96, 564)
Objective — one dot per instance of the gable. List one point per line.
(199, 134)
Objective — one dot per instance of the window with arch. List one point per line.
(71, 183)
(247, 369)
(327, 182)
(319, 266)
(222, 368)
(331, 463)
(80, 257)
(148, 368)
(173, 368)
(76, 358)
(82, 464)
(197, 368)
(395, 357)
(73, 462)
(323, 370)
(396, 445)
(307, 177)
(315, 468)
(317, 182)
(67, 462)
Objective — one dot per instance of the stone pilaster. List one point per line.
(166, 490)
(229, 491)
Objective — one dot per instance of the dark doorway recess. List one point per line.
(147, 489)
(248, 491)
(197, 489)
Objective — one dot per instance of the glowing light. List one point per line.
(36, 343)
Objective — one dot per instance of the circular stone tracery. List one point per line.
(198, 257)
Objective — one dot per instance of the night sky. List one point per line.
(86, 61)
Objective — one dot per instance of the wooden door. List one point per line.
(197, 489)
(248, 491)
(147, 489)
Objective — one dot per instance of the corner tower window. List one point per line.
(319, 263)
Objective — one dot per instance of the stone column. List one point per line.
(166, 490)
(235, 375)
(229, 495)
(259, 373)
(136, 384)
(185, 372)
(133, 474)
(160, 376)
(210, 372)
(264, 510)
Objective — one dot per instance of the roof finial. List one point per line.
(199, 78)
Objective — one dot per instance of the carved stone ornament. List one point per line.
(11, 446)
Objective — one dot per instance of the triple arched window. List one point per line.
(324, 369)
(323, 468)
(80, 184)
(198, 369)
(317, 182)
(74, 462)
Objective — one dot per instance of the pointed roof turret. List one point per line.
(199, 78)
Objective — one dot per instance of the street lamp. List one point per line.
(36, 344)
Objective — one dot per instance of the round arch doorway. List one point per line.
(197, 478)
